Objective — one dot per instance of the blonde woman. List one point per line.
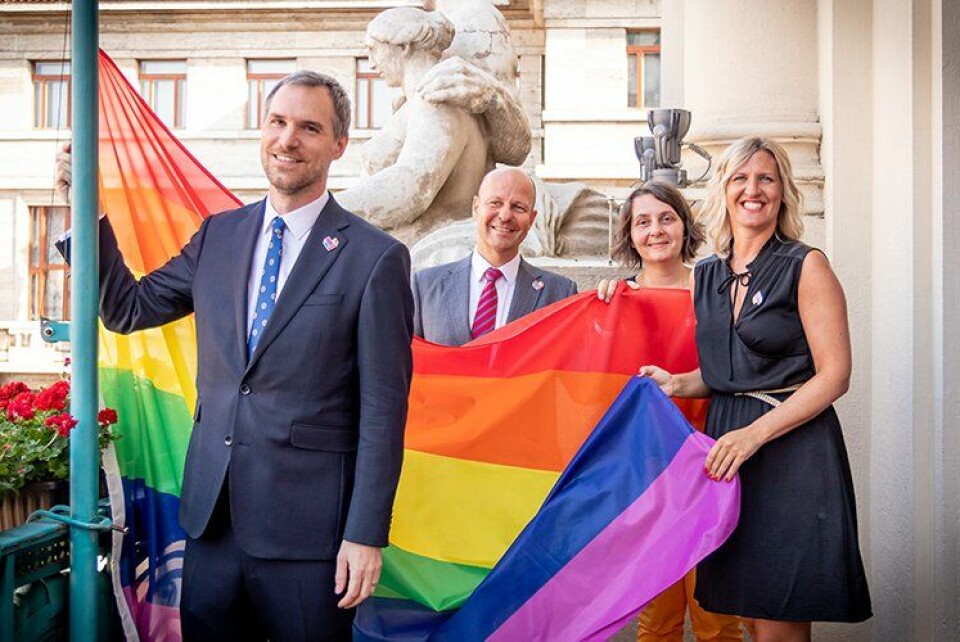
(657, 234)
(774, 354)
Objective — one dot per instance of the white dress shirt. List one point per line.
(299, 222)
(505, 286)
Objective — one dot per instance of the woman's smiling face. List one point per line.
(656, 230)
(755, 193)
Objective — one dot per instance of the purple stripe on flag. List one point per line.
(690, 520)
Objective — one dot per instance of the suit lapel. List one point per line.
(245, 240)
(312, 265)
(456, 287)
(525, 295)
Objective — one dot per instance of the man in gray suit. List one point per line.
(461, 301)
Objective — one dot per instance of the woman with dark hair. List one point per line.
(774, 353)
(657, 234)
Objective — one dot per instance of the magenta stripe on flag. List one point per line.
(154, 621)
(674, 514)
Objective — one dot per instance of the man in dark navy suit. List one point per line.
(304, 321)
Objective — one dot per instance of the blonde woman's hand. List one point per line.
(730, 451)
(666, 381)
(608, 287)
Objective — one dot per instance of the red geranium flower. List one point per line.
(10, 390)
(107, 417)
(63, 423)
(21, 407)
(54, 397)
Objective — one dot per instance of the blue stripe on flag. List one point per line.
(601, 481)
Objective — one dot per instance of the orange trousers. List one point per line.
(662, 619)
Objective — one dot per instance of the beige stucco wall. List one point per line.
(585, 113)
(882, 79)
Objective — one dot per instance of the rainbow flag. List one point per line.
(155, 195)
(543, 420)
(495, 428)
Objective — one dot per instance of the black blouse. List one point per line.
(766, 348)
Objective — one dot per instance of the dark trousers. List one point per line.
(229, 595)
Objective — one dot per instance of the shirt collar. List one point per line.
(479, 265)
(300, 221)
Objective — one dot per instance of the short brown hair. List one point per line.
(623, 250)
(341, 102)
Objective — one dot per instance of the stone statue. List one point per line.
(479, 72)
(423, 168)
(459, 114)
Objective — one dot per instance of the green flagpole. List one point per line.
(84, 397)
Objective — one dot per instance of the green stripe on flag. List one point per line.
(154, 427)
(438, 585)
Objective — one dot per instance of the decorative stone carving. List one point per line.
(572, 220)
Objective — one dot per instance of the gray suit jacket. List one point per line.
(441, 296)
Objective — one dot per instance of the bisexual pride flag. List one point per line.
(546, 493)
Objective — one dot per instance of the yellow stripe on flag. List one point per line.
(166, 356)
(461, 511)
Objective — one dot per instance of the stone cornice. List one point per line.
(714, 133)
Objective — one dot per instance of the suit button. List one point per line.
(228, 440)
(244, 389)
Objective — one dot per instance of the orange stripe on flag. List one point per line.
(533, 421)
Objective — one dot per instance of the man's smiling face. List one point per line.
(503, 211)
(297, 142)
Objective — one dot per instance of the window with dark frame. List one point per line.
(373, 103)
(643, 68)
(163, 84)
(262, 77)
(49, 280)
(51, 91)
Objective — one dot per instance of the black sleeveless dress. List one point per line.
(794, 554)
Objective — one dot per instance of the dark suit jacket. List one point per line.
(310, 431)
(441, 298)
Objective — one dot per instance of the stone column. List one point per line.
(749, 67)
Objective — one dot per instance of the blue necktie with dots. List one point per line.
(267, 294)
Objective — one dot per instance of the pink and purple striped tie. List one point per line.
(486, 318)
